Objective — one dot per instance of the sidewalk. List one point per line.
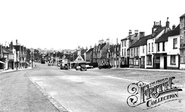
(12, 70)
(174, 70)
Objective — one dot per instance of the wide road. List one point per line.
(47, 88)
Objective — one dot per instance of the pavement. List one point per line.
(19, 94)
(12, 70)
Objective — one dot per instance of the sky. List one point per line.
(67, 24)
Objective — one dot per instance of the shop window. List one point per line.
(149, 60)
(173, 60)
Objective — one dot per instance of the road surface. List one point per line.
(47, 88)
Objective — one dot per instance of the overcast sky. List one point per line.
(66, 24)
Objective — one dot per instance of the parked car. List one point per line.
(105, 66)
(81, 66)
(89, 67)
(64, 66)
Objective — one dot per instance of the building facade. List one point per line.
(182, 42)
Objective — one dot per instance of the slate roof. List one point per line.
(141, 41)
(182, 16)
(102, 45)
(7, 51)
(165, 36)
(91, 49)
(157, 31)
(124, 39)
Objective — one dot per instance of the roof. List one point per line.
(124, 39)
(165, 36)
(102, 45)
(129, 36)
(83, 51)
(140, 42)
(157, 31)
(176, 31)
(90, 50)
(7, 51)
(182, 16)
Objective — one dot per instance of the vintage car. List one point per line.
(64, 66)
(89, 67)
(81, 66)
(105, 65)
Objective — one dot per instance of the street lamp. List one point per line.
(32, 54)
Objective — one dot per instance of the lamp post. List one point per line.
(32, 54)
(109, 55)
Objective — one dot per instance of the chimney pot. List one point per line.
(130, 32)
(173, 27)
(141, 34)
(136, 31)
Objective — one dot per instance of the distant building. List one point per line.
(89, 55)
(138, 52)
(125, 44)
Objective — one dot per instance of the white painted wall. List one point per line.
(169, 47)
(162, 62)
(182, 66)
(171, 51)
(161, 47)
(141, 50)
(124, 48)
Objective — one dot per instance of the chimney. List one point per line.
(141, 34)
(136, 32)
(100, 41)
(16, 42)
(11, 45)
(167, 23)
(130, 32)
(173, 27)
(108, 41)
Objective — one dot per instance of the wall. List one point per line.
(169, 47)
(182, 66)
(162, 62)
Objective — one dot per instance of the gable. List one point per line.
(164, 37)
(79, 59)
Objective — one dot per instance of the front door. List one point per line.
(165, 62)
(156, 62)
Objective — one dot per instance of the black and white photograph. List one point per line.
(92, 56)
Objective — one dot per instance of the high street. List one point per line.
(49, 89)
